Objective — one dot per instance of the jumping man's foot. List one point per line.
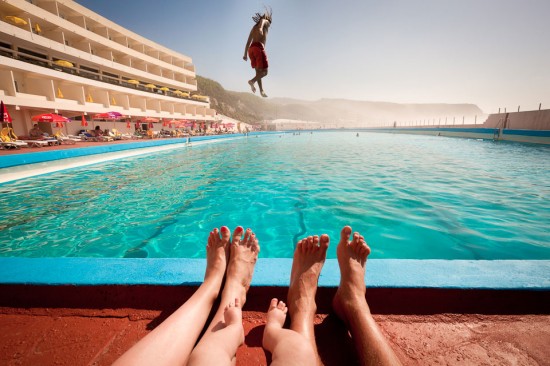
(217, 250)
(263, 94)
(308, 261)
(352, 259)
(242, 258)
(251, 83)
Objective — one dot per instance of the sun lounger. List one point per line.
(36, 143)
(8, 136)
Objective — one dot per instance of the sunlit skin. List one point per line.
(258, 34)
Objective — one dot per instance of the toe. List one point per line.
(324, 242)
(226, 234)
(345, 233)
(273, 304)
(237, 234)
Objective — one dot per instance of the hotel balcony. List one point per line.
(58, 55)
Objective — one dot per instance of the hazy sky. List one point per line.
(493, 53)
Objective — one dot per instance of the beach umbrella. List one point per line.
(4, 114)
(151, 86)
(149, 120)
(151, 125)
(164, 88)
(49, 117)
(15, 20)
(133, 81)
(137, 126)
(108, 115)
(83, 122)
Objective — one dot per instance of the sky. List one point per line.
(492, 53)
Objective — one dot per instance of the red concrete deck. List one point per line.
(53, 326)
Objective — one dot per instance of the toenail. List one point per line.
(224, 229)
(239, 229)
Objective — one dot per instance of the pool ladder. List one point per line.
(497, 133)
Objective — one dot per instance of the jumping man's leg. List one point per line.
(172, 341)
(350, 304)
(308, 261)
(242, 258)
(287, 347)
(260, 73)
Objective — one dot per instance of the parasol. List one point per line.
(4, 114)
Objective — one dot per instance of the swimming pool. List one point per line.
(417, 197)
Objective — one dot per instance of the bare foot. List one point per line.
(308, 261)
(263, 94)
(251, 83)
(217, 250)
(276, 315)
(233, 318)
(352, 259)
(242, 259)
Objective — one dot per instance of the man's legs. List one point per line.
(308, 261)
(242, 258)
(287, 347)
(260, 73)
(350, 304)
(173, 340)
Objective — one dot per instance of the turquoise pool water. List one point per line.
(415, 197)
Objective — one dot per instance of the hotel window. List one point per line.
(5, 49)
(89, 72)
(110, 78)
(32, 57)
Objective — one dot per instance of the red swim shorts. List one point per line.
(258, 57)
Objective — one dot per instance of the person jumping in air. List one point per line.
(255, 48)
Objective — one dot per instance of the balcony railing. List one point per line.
(88, 74)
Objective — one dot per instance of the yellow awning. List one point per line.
(63, 63)
(16, 20)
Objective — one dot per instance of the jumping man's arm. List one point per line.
(245, 57)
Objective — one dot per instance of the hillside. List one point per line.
(253, 109)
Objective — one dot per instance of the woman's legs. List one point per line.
(173, 340)
(242, 259)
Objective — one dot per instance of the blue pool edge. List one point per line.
(531, 275)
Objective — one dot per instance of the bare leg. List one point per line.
(220, 347)
(242, 258)
(350, 304)
(173, 340)
(287, 347)
(260, 73)
(308, 261)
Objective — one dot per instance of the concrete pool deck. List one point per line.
(85, 311)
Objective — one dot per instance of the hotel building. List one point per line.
(57, 56)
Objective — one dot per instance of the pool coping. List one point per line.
(531, 275)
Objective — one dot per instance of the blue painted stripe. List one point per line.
(43, 156)
(541, 133)
(381, 273)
